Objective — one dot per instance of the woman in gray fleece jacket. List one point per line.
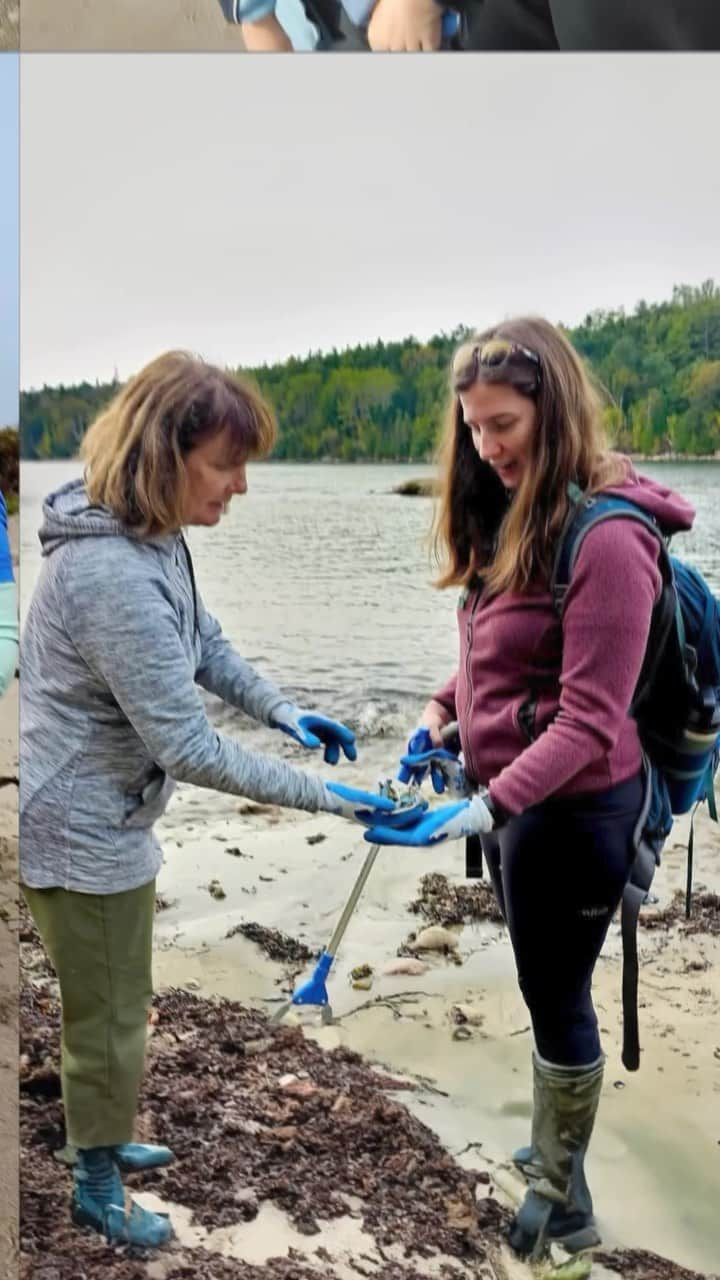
(116, 642)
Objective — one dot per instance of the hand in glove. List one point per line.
(368, 807)
(311, 729)
(446, 769)
(448, 822)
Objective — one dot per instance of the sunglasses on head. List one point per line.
(496, 351)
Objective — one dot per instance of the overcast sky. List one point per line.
(253, 208)
(8, 239)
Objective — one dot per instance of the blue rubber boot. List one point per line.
(99, 1202)
(558, 1205)
(133, 1157)
(130, 1157)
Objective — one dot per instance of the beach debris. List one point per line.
(405, 964)
(466, 1014)
(434, 938)
(236, 852)
(361, 977)
(163, 904)
(251, 808)
(440, 902)
(216, 890)
(317, 838)
(354, 1144)
(577, 1268)
(704, 914)
(461, 1032)
(276, 945)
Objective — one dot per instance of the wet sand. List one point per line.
(9, 24)
(463, 1075)
(127, 25)
(8, 969)
(653, 1163)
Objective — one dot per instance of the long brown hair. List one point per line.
(481, 531)
(134, 450)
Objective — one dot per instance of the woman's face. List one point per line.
(214, 475)
(502, 423)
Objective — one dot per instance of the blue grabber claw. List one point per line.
(314, 992)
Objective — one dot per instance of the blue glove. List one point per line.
(369, 807)
(313, 730)
(419, 742)
(448, 822)
(446, 769)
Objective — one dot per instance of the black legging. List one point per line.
(599, 25)
(558, 872)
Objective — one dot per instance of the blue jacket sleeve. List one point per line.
(6, 569)
(253, 10)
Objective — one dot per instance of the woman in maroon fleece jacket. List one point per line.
(553, 777)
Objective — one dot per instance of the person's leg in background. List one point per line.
(101, 948)
(515, 25)
(605, 25)
(592, 25)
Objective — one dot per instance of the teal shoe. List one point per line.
(99, 1203)
(132, 1157)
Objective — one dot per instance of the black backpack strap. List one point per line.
(634, 895)
(473, 858)
(583, 515)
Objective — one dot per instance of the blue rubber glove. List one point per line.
(419, 743)
(448, 822)
(368, 807)
(446, 769)
(311, 729)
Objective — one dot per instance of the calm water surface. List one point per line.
(321, 577)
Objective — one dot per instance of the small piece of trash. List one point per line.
(619, 1084)
(216, 890)
(316, 839)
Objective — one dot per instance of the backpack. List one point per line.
(677, 708)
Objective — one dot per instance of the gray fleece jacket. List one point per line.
(115, 644)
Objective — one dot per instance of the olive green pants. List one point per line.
(101, 948)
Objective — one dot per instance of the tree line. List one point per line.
(659, 367)
(9, 467)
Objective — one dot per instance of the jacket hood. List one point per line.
(68, 514)
(672, 512)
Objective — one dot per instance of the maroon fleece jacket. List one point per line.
(543, 705)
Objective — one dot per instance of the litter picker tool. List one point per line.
(314, 991)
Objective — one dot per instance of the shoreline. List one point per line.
(651, 1160)
(652, 1163)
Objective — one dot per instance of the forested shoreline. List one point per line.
(659, 367)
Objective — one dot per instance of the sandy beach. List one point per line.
(168, 25)
(9, 24)
(457, 1032)
(654, 1162)
(8, 966)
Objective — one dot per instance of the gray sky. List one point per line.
(8, 239)
(253, 208)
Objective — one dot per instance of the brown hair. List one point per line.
(134, 450)
(477, 530)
